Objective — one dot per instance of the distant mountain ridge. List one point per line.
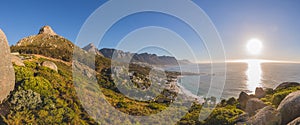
(152, 59)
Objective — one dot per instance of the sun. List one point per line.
(254, 46)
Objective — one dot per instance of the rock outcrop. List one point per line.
(50, 65)
(287, 85)
(243, 99)
(295, 121)
(266, 116)
(259, 92)
(7, 79)
(47, 30)
(253, 105)
(17, 61)
(289, 107)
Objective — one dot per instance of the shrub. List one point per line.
(156, 106)
(39, 85)
(279, 96)
(224, 116)
(22, 72)
(25, 99)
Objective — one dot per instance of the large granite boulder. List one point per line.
(287, 85)
(7, 79)
(260, 93)
(290, 107)
(17, 61)
(253, 105)
(265, 116)
(295, 121)
(50, 65)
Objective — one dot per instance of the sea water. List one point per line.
(244, 76)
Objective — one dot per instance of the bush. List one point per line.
(224, 116)
(24, 99)
(22, 72)
(156, 106)
(39, 85)
(279, 96)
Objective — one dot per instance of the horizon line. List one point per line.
(247, 60)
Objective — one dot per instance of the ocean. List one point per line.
(240, 76)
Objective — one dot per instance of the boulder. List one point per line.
(295, 121)
(17, 61)
(253, 105)
(7, 79)
(290, 107)
(50, 65)
(265, 116)
(243, 98)
(259, 92)
(287, 85)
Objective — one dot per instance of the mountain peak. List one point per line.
(91, 45)
(92, 48)
(47, 30)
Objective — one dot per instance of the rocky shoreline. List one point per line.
(258, 112)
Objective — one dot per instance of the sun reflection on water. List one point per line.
(254, 74)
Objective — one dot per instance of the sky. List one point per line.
(274, 22)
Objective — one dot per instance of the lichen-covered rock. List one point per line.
(17, 61)
(259, 92)
(50, 65)
(266, 116)
(290, 107)
(253, 105)
(7, 79)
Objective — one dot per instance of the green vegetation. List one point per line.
(43, 96)
(275, 97)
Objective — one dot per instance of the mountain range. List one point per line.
(50, 44)
(147, 58)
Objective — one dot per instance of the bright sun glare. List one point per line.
(254, 46)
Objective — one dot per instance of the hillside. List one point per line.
(47, 43)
